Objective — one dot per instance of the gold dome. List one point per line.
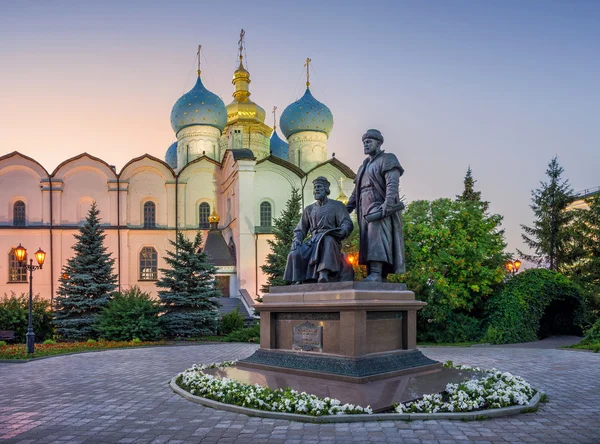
(243, 110)
(214, 218)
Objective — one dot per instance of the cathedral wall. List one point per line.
(196, 141)
(20, 183)
(146, 185)
(200, 186)
(82, 186)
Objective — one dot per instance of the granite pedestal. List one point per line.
(354, 333)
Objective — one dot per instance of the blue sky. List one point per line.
(501, 86)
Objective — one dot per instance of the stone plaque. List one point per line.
(307, 337)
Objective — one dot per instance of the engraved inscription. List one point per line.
(307, 337)
(316, 316)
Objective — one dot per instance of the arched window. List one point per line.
(265, 214)
(203, 213)
(148, 264)
(149, 215)
(16, 273)
(19, 214)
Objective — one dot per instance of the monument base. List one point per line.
(381, 395)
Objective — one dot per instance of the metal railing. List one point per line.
(588, 191)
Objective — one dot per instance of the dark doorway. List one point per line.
(223, 285)
(558, 319)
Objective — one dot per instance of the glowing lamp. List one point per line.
(517, 264)
(20, 253)
(509, 266)
(40, 256)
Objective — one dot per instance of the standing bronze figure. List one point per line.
(378, 207)
(320, 258)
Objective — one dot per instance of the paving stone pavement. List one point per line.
(122, 396)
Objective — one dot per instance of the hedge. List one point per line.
(514, 314)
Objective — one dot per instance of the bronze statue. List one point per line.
(320, 258)
(378, 207)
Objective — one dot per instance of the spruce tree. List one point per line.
(86, 283)
(188, 299)
(469, 194)
(550, 235)
(283, 229)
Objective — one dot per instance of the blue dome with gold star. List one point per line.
(198, 107)
(306, 114)
(278, 147)
(171, 156)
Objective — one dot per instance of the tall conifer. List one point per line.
(469, 194)
(550, 235)
(188, 299)
(86, 283)
(283, 229)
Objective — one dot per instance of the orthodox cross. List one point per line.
(307, 71)
(274, 118)
(199, 48)
(241, 42)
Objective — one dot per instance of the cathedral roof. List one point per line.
(171, 155)
(278, 147)
(198, 106)
(242, 153)
(217, 250)
(306, 114)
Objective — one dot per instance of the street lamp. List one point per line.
(40, 256)
(513, 266)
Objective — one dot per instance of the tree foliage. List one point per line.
(188, 299)
(533, 304)
(469, 193)
(283, 230)
(86, 283)
(130, 314)
(14, 315)
(550, 235)
(455, 259)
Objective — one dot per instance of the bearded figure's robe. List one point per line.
(328, 224)
(377, 181)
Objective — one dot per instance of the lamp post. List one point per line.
(513, 266)
(40, 256)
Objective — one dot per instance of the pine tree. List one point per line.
(469, 194)
(188, 301)
(86, 282)
(283, 229)
(550, 235)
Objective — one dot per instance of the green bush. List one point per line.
(130, 314)
(49, 342)
(2, 343)
(533, 304)
(232, 321)
(592, 335)
(457, 327)
(14, 315)
(251, 334)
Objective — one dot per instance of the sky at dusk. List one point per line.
(502, 86)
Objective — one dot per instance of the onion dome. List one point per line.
(278, 147)
(242, 109)
(171, 156)
(306, 114)
(199, 106)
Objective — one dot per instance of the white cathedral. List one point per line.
(228, 174)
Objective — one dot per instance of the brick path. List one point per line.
(121, 396)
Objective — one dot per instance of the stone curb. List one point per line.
(24, 361)
(466, 416)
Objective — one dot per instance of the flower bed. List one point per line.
(19, 351)
(228, 391)
(494, 390)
